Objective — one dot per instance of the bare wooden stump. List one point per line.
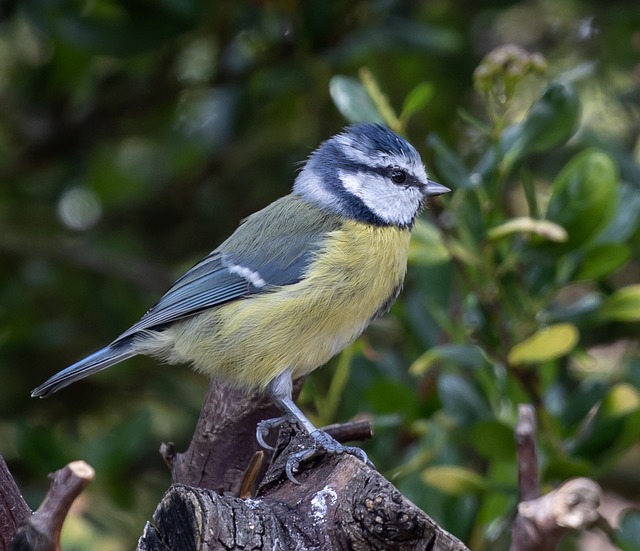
(224, 441)
(340, 503)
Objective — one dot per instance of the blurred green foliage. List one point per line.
(135, 135)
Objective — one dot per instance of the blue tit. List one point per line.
(296, 283)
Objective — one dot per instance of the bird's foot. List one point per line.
(322, 443)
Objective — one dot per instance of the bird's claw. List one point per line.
(265, 427)
(323, 443)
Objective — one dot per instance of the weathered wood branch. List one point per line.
(13, 508)
(340, 504)
(41, 531)
(542, 521)
(527, 451)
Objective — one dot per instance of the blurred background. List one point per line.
(134, 135)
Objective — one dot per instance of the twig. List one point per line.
(352, 431)
(542, 521)
(528, 479)
(41, 531)
(251, 478)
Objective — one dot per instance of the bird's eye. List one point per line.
(398, 176)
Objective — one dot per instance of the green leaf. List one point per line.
(461, 400)
(451, 169)
(622, 399)
(390, 397)
(464, 354)
(546, 344)
(352, 100)
(622, 305)
(551, 121)
(454, 480)
(493, 440)
(427, 247)
(628, 534)
(574, 312)
(627, 216)
(524, 224)
(417, 99)
(601, 260)
(584, 196)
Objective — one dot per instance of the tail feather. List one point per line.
(106, 357)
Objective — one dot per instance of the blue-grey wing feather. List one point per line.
(279, 250)
(278, 253)
(210, 283)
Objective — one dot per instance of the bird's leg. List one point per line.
(280, 391)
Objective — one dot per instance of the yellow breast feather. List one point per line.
(301, 326)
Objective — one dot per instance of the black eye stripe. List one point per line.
(353, 167)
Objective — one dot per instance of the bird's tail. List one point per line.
(106, 357)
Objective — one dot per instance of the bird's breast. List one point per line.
(354, 274)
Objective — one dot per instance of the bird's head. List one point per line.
(368, 173)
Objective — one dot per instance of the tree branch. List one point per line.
(527, 450)
(224, 441)
(542, 521)
(13, 508)
(340, 504)
(41, 531)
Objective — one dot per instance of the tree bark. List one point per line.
(13, 508)
(340, 503)
(40, 531)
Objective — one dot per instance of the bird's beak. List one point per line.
(434, 188)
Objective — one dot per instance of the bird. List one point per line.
(295, 284)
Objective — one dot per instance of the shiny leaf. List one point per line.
(546, 344)
(622, 399)
(417, 99)
(601, 260)
(551, 121)
(352, 100)
(454, 480)
(623, 305)
(524, 224)
(427, 247)
(464, 354)
(584, 196)
(462, 401)
(451, 169)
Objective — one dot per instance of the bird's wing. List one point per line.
(240, 268)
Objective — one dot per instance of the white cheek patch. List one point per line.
(390, 202)
(251, 276)
(309, 186)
